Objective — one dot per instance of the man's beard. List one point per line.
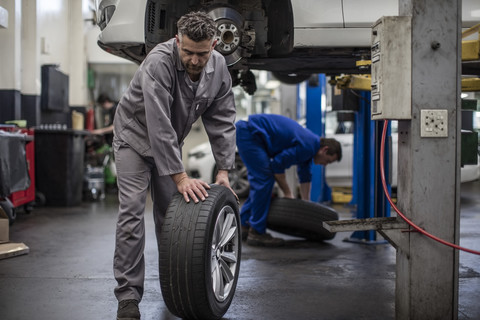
(194, 69)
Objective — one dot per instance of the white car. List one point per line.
(291, 38)
(201, 164)
(339, 174)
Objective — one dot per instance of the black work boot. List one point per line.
(263, 239)
(128, 310)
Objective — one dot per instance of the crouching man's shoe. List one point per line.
(128, 310)
(263, 239)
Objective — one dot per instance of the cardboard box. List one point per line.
(4, 231)
(9, 249)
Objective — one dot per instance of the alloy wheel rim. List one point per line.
(225, 253)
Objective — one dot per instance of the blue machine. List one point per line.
(367, 194)
(315, 112)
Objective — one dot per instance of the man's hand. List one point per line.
(288, 195)
(222, 179)
(190, 187)
(282, 183)
(102, 131)
(305, 190)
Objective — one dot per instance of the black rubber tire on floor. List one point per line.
(200, 243)
(300, 218)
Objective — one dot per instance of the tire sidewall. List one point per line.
(185, 255)
(223, 199)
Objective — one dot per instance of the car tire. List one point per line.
(199, 256)
(280, 28)
(301, 218)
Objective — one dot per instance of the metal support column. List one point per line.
(315, 110)
(429, 170)
(428, 188)
(366, 188)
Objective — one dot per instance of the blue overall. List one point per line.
(269, 144)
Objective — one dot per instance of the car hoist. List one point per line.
(470, 55)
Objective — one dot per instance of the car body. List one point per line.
(291, 38)
(201, 165)
(258, 29)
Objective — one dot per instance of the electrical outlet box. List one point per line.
(392, 68)
(434, 123)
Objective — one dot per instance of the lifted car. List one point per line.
(291, 38)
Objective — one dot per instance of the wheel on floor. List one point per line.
(300, 218)
(200, 250)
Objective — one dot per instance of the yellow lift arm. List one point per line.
(470, 52)
(471, 48)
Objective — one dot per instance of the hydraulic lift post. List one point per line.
(428, 187)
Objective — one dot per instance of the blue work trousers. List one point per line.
(251, 148)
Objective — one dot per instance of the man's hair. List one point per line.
(102, 98)
(334, 147)
(198, 26)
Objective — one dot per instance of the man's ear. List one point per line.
(178, 39)
(324, 150)
(214, 43)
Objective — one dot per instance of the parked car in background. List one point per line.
(339, 174)
(201, 164)
(291, 38)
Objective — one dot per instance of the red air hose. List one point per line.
(384, 184)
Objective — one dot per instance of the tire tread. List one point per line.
(301, 218)
(184, 260)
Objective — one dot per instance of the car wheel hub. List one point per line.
(229, 33)
(224, 253)
(228, 39)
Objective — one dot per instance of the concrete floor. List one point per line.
(68, 272)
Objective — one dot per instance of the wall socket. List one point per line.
(434, 123)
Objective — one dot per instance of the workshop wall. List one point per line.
(42, 32)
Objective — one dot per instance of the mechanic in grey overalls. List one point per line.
(179, 81)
